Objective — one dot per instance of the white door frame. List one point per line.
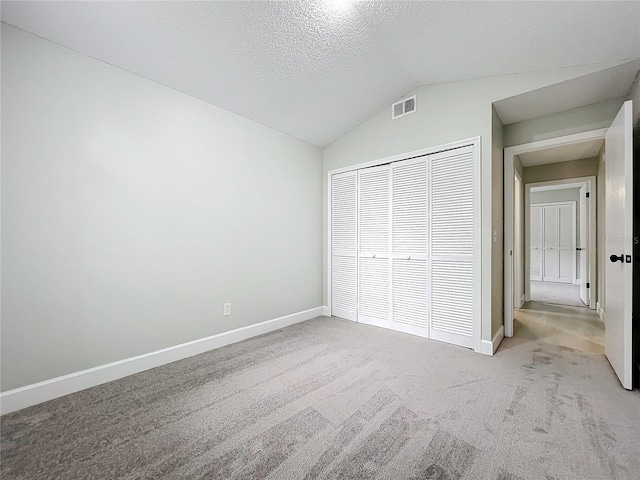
(475, 142)
(509, 168)
(518, 249)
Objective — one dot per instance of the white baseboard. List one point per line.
(600, 312)
(326, 311)
(29, 395)
(489, 347)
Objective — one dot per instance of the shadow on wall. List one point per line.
(636, 253)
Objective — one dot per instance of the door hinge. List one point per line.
(588, 285)
(588, 194)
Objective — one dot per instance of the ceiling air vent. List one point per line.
(403, 107)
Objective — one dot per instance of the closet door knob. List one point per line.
(617, 258)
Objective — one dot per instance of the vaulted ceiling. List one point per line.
(317, 69)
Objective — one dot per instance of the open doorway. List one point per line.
(614, 224)
(560, 233)
(558, 176)
(554, 256)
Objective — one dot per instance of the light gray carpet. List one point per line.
(332, 399)
(556, 293)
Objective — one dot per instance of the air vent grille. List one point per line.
(403, 107)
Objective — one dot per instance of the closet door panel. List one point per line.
(374, 212)
(374, 245)
(452, 297)
(566, 243)
(410, 294)
(550, 238)
(409, 207)
(452, 195)
(409, 247)
(535, 244)
(344, 245)
(374, 291)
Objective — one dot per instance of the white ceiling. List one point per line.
(563, 153)
(614, 82)
(317, 69)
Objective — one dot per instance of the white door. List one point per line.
(453, 199)
(582, 248)
(550, 245)
(535, 255)
(343, 245)
(559, 242)
(409, 292)
(567, 243)
(374, 200)
(619, 244)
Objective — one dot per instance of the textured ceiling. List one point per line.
(317, 69)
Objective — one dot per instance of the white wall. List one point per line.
(131, 212)
(447, 113)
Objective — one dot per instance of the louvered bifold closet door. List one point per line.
(535, 260)
(566, 243)
(454, 200)
(344, 245)
(550, 238)
(373, 238)
(409, 294)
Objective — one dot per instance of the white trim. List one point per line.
(19, 398)
(326, 311)
(475, 141)
(509, 156)
(554, 142)
(490, 347)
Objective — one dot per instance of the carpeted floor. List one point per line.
(333, 399)
(556, 293)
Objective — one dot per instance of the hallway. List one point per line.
(556, 293)
(574, 327)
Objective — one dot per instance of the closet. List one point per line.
(404, 246)
(553, 242)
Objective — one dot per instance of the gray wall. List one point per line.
(554, 196)
(497, 221)
(634, 94)
(577, 120)
(132, 212)
(587, 167)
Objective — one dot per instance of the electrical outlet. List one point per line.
(227, 310)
